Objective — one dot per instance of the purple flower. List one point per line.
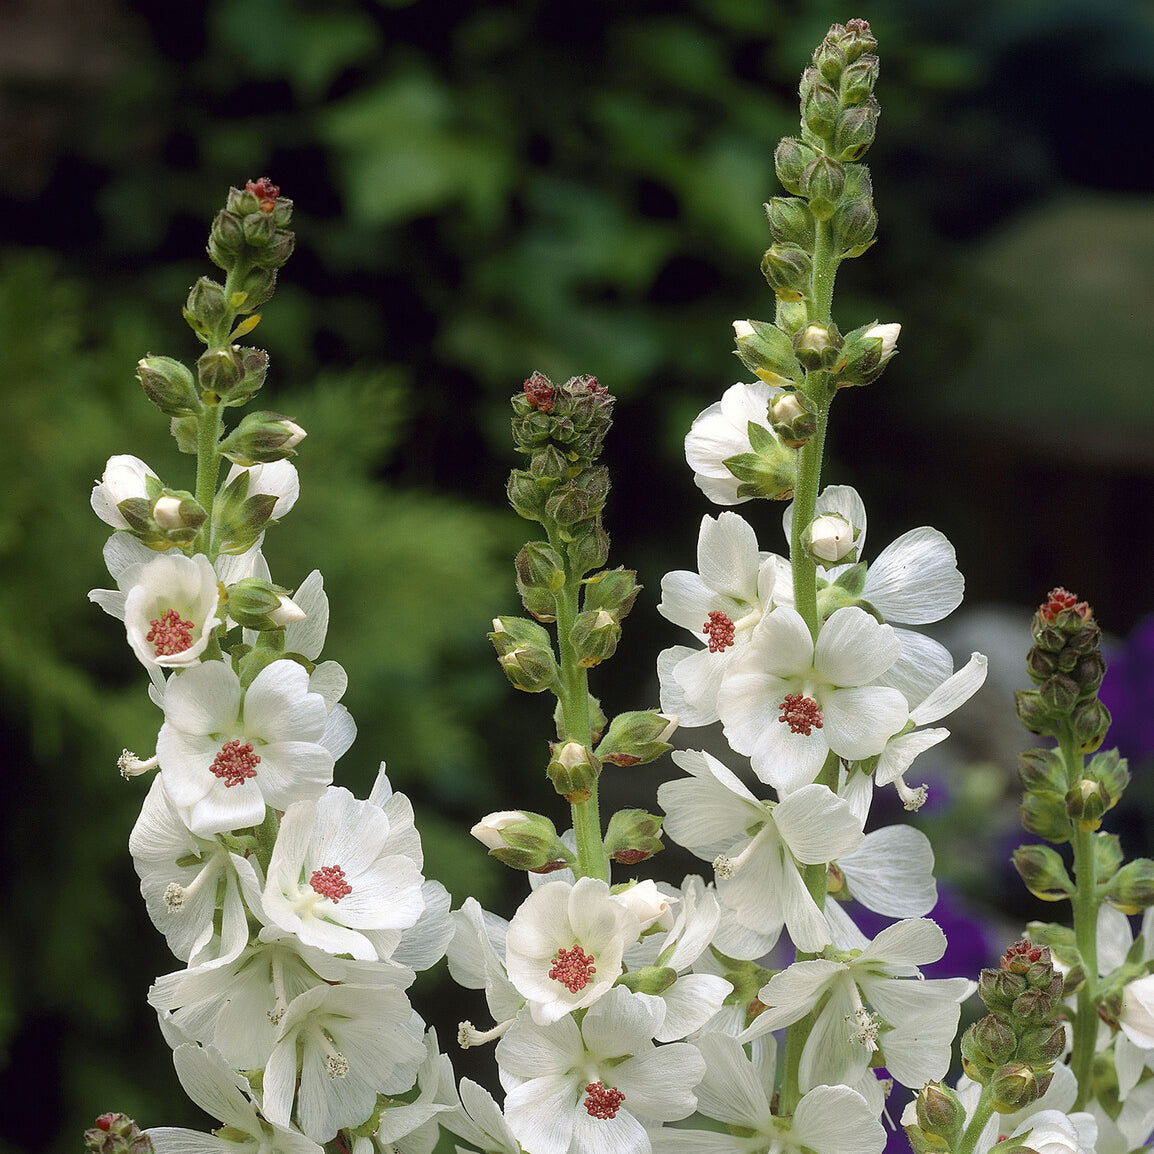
(1128, 692)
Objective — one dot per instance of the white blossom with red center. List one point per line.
(225, 755)
(333, 877)
(595, 1088)
(168, 603)
(564, 945)
(720, 605)
(788, 703)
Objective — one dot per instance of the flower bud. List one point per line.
(818, 346)
(254, 603)
(1090, 722)
(589, 549)
(169, 385)
(1131, 889)
(822, 183)
(219, 370)
(637, 738)
(522, 840)
(791, 222)
(765, 350)
(1042, 769)
(206, 308)
(830, 540)
(791, 418)
(987, 1044)
(573, 770)
(788, 270)
(790, 160)
(768, 470)
(540, 574)
(866, 353)
(1044, 815)
(633, 835)
(1086, 802)
(262, 437)
(648, 979)
(117, 1134)
(1043, 1044)
(855, 131)
(594, 637)
(938, 1118)
(527, 495)
(1034, 714)
(819, 106)
(525, 653)
(614, 590)
(1016, 1085)
(1043, 872)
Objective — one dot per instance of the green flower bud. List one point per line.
(791, 222)
(594, 637)
(527, 495)
(522, 840)
(1016, 1085)
(858, 80)
(1131, 889)
(866, 353)
(1034, 714)
(819, 106)
(169, 385)
(1086, 802)
(790, 160)
(117, 1134)
(242, 518)
(648, 980)
(1042, 1045)
(788, 270)
(525, 653)
(819, 346)
(614, 590)
(540, 574)
(206, 308)
(590, 548)
(855, 131)
(1044, 815)
(256, 287)
(987, 1044)
(822, 183)
(219, 370)
(1043, 872)
(253, 370)
(1090, 722)
(792, 418)
(573, 770)
(940, 1113)
(637, 738)
(1043, 770)
(262, 437)
(258, 604)
(633, 835)
(765, 350)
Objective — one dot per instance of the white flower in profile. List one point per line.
(719, 605)
(332, 876)
(479, 1120)
(169, 605)
(477, 961)
(124, 478)
(185, 880)
(226, 755)
(871, 1001)
(738, 1092)
(721, 432)
(223, 1094)
(758, 850)
(788, 703)
(591, 1089)
(564, 946)
(275, 479)
(346, 1044)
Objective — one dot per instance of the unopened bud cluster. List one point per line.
(1014, 1047)
(117, 1134)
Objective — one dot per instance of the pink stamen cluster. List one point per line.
(574, 968)
(169, 634)
(329, 882)
(539, 391)
(593, 386)
(719, 626)
(265, 191)
(801, 714)
(235, 763)
(1060, 599)
(602, 1101)
(1022, 955)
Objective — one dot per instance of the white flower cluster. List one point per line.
(298, 951)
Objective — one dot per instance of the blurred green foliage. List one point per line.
(483, 190)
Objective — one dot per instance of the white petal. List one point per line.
(915, 579)
(891, 872)
(859, 721)
(952, 692)
(853, 648)
(727, 556)
(817, 825)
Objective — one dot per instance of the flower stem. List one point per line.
(981, 1115)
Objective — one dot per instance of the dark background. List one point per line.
(484, 190)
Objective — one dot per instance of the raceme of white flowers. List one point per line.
(740, 1010)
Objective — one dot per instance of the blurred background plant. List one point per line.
(483, 190)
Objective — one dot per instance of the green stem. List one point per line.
(804, 506)
(1085, 903)
(573, 695)
(207, 473)
(982, 1114)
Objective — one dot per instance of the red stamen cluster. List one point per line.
(265, 191)
(602, 1101)
(169, 634)
(539, 390)
(1060, 599)
(574, 968)
(592, 386)
(235, 763)
(860, 26)
(329, 882)
(1022, 955)
(720, 630)
(801, 714)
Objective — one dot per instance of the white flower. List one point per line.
(488, 830)
(413, 1127)
(185, 880)
(477, 959)
(332, 876)
(719, 605)
(788, 703)
(169, 606)
(222, 765)
(854, 999)
(225, 1095)
(722, 432)
(124, 478)
(346, 1044)
(647, 902)
(758, 850)
(479, 1121)
(888, 335)
(586, 1089)
(738, 1092)
(564, 945)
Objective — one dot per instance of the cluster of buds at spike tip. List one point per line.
(117, 1134)
(633, 835)
(1014, 1047)
(1066, 665)
(523, 841)
(252, 228)
(525, 653)
(573, 769)
(637, 737)
(162, 518)
(838, 109)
